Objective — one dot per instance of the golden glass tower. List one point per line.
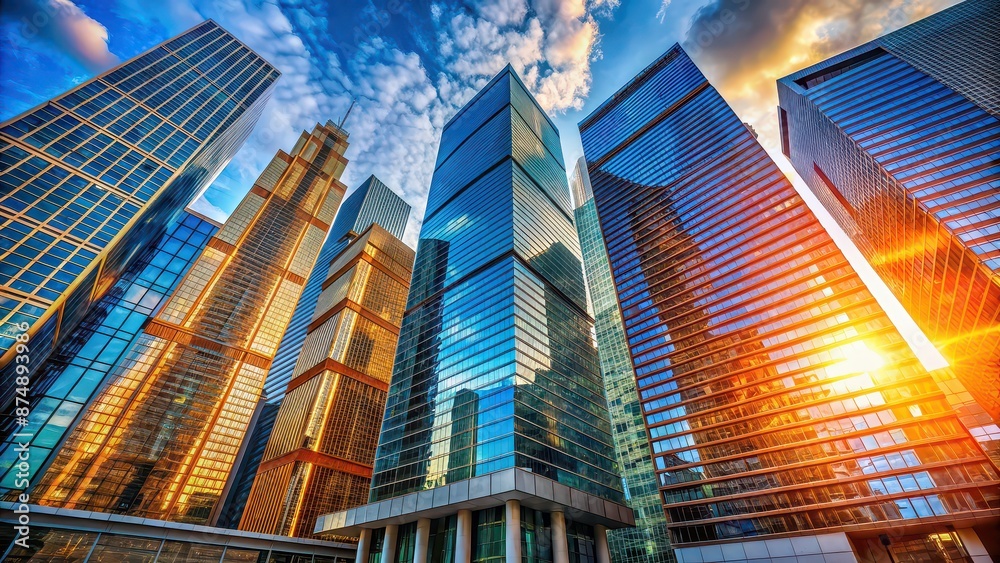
(320, 454)
(160, 440)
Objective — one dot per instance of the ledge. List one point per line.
(87, 521)
(486, 491)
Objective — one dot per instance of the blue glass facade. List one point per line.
(90, 178)
(496, 441)
(649, 541)
(900, 140)
(495, 368)
(781, 403)
(82, 363)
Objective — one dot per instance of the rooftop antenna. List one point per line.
(344, 119)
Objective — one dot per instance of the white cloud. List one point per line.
(661, 14)
(204, 207)
(504, 12)
(62, 24)
(604, 8)
(401, 105)
(552, 50)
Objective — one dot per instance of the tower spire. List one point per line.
(344, 119)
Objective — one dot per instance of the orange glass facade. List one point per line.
(320, 454)
(900, 140)
(161, 439)
(781, 403)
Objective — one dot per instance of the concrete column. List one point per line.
(463, 537)
(513, 527)
(389, 544)
(423, 535)
(601, 544)
(560, 544)
(364, 546)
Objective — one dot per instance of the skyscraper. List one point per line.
(787, 417)
(496, 441)
(649, 541)
(247, 462)
(899, 139)
(82, 362)
(319, 458)
(160, 439)
(370, 203)
(91, 177)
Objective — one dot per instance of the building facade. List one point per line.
(59, 535)
(370, 203)
(649, 541)
(161, 438)
(900, 140)
(320, 455)
(496, 440)
(787, 417)
(82, 363)
(247, 463)
(92, 177)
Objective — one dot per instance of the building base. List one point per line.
(512, 514)
(60, 534)
(942, 545)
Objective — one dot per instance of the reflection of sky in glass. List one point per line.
(778, 360)
(496, 324)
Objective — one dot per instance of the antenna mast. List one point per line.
(344, 119)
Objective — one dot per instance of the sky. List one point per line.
(411, 64)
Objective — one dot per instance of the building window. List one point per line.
(834, 191)
(816, 78)
(786, 147)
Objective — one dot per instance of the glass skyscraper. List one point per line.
(81, 364)
(247, 463)
(900, 140)
(320, 454)
(496, 441)
(90, 178)
(648, 542)
(159, 441)
(787, 417)
(372, 202)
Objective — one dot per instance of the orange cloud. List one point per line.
(62, 24)
(744, 46)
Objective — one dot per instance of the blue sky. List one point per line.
(412, 63)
